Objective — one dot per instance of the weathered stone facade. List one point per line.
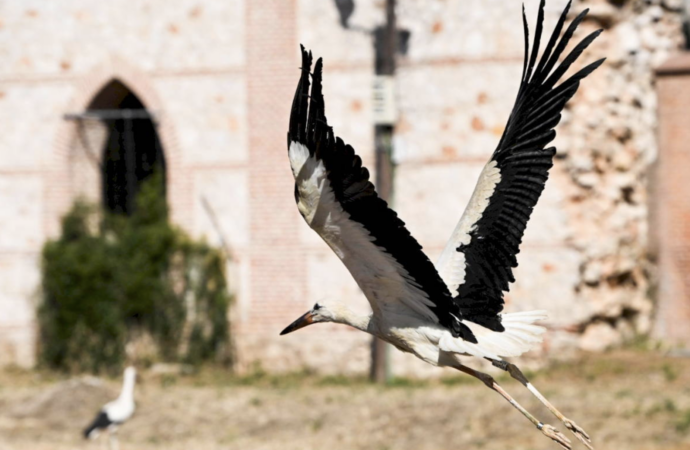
(608, 150)
(220, 76)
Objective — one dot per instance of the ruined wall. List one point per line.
(608, 149)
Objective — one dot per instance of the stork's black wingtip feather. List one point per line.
(539, 28)
(317, 75)
(566, 10)
(525, 28)
(306, 62)
(300, 103)
(306, 58)
(524, 15)
(593, 66)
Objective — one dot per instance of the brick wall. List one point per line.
(276, 259)
(671, 201)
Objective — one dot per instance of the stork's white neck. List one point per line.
(347, 317)
(128, 385)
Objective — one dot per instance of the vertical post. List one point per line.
(385, 44)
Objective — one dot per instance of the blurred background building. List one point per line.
(211, 83)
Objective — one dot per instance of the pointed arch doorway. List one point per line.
(119, 136)
(73, 172)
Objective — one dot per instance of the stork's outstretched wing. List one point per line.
(337, 200)
(477, 262)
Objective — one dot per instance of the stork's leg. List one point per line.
(517, 374)
(113, 441)
(547, 430)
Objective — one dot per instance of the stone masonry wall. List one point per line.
(609, 148)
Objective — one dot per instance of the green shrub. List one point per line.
(111, 278)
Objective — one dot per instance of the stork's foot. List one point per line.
(557, 436)
(579, 433)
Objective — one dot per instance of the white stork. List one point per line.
(453, 309)
(115, 413)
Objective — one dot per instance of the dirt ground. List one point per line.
(626, 400)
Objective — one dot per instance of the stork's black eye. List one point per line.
(316, 306)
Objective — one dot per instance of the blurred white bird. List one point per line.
(454, 308)
(115, 413)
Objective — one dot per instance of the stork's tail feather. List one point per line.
(101, 422)
(91, 431)
(520, 335)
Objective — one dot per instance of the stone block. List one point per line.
(31, 114)
(21, 216)
(209, 117)
(155, 36)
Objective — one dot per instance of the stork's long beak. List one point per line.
(303, 321)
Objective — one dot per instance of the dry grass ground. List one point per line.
(626, 400)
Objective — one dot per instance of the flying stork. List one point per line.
(452, 309)
(115, 413)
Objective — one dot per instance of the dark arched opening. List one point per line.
(132, 151)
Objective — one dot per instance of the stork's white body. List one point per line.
(121, 409)
(435, 344)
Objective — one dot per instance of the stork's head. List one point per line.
(318, 313)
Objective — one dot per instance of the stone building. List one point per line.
(218, 78)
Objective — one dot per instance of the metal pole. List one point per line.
(383, 139)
